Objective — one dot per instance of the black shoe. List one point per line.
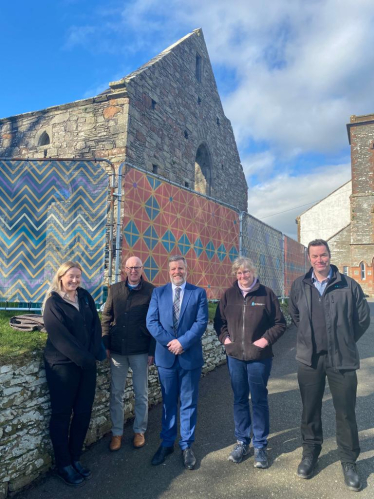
(161, 454)
(307, 466)
(189, 459)
(351, 477)
(70, 476)
(85, 472)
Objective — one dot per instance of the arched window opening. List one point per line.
(203, 170)
(363, 271)
(44, 139)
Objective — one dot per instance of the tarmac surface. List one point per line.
(128, 474)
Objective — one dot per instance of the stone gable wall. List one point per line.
(172, 114)
(25, 447)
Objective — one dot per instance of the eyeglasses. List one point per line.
(133, 268)
(244, 272)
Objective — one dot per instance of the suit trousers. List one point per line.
(72, 392)
(119, 367)
(178, 383)
(343, 387)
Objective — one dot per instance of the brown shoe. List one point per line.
(139, 440)
(115, 443)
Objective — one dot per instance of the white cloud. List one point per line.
(302, 68)
(281, 199)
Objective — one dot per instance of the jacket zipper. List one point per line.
(243, 331)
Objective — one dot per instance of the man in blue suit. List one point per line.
(177, 318)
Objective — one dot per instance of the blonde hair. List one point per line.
(242, 262)
(56, 284)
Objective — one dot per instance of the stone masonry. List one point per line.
(166, 117)
(25, 447)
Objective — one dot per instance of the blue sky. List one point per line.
(290, 74)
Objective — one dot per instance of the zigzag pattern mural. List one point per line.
(50, 211)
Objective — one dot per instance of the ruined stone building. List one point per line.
(166, 117)
(345, 218)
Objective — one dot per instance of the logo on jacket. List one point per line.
(260, 304)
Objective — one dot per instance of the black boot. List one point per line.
(351, 478)
(70, 476)
(85, 472)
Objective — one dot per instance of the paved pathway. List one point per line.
(128, 473)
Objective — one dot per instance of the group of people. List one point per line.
(142, 324)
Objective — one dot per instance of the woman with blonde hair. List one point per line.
(73, 344)
(248, 321)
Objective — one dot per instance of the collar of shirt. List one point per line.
(321, 285)
(182, 286)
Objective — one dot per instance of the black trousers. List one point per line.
(343, 387)
(72, 392)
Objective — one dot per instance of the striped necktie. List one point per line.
(176, 307)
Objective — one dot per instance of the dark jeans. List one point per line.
(343, 387)
(250, 377)
(72, 392)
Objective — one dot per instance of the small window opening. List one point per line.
(218, 122)
(198, 67)
(153, 104)
(363, 271)
(222, 166)
(187, 184)
(199, 101)
(185, 134)
(154, 169)
(44, 139)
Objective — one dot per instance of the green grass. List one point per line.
(212, 310)
(14, 343)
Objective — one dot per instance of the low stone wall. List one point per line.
(25, 447)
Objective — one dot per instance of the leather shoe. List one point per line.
(161, 454)
(307, 466)
(115, 443)
(351, 477)
(70, 476)
(189, 459)
(85, 472)
(139, 440)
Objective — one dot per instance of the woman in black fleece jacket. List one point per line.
(73, 344)
(248, 322)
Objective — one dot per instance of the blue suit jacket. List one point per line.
(193, 319)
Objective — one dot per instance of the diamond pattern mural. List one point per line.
(162, 220)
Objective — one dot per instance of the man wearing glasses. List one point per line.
(128, 344)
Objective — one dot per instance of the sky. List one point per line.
(290, 74)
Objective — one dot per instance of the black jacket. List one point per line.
(245, 320)
(124, 319)
(73, 335)
(347, 315)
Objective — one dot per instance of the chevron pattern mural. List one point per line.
(51, 211)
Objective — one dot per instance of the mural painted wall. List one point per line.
(264, 245)
(50, 211)
(295, 262)
(162, 220)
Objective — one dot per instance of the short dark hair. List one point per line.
(319, 242)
